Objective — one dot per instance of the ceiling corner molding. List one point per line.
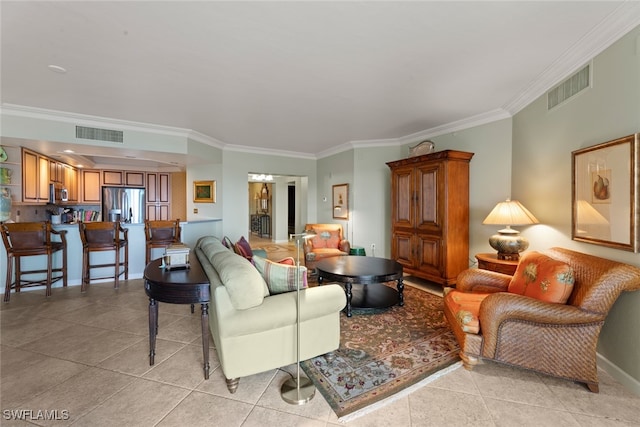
(89, 120)
(458, 125)
(624, 19)
(268, 152)
(205, 139)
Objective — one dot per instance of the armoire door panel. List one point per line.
(430, 255)
(429, 190)
(403, 205)
(402, 248)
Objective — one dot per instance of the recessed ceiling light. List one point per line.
(68, 151)
(57, 69)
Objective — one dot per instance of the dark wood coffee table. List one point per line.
(367, 274)
(178, 286)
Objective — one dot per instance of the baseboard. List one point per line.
(618, 374)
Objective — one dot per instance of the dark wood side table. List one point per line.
(178, 286)
(491, 262)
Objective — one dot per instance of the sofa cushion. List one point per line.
(544, 278)
(280, 277)
(244, 284)
(465, 306)
(243, 248)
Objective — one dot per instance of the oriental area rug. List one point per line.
(385, 355)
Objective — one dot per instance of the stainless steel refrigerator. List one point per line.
(124, 204)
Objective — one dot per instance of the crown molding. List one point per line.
(268, 151)
(624, 19)
(458, 125)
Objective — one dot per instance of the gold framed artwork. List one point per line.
(204, 191)
(341, 201)
(605, 194)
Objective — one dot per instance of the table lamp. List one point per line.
(298, 390)
(508, 242)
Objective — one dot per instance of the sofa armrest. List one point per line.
(278, 310)
(344, 246)
(479, 280)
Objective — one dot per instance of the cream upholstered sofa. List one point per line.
(255, 331)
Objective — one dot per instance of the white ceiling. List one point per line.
(303, 77)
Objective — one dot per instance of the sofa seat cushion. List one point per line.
(465, 307)
(544, 278)
(280, 277)
(244, 284)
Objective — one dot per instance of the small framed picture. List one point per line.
(341, 201)
(204, 191)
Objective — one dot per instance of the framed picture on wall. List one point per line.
(341, 201)
(204, 191)
(605, 194)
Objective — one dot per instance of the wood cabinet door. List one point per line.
(71, 182)
(43, 179)
(91, 186)
(112, 177)
(29, 176)
(429, 257)
(402, 248)
(134, 179)
(430, 190)
(402, 198)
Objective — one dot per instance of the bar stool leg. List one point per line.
(116, 284)
(85, 267)
(49, 273)
(126, 261)
(18, 273)
(64, 267)
(7, 292)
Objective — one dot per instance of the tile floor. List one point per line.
(86, 356)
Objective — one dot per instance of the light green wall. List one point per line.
(542, 145)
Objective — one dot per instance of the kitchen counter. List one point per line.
(191, 232)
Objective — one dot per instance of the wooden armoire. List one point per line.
(430, 214)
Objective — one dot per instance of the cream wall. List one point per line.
(542, 145)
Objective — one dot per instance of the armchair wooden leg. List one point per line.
(330, 357)
(468, 361)
(593, 388)
(232, 384)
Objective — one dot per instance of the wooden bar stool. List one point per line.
(100, 237)
(26, 239)
(160, 234)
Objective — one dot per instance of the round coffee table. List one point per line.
(368, 274)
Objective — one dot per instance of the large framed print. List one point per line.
(605, 207)
(341, 201)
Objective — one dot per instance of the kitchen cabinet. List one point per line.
(430, 215)
(71, 182)
(134, 179)
(158, 193)
(56, 171)
(91, 186)
(35, 177)
(112, 177)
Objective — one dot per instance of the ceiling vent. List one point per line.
(569, 87)
(107, 135)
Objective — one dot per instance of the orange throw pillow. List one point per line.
(544, 278)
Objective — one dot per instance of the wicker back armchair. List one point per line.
(555, 339)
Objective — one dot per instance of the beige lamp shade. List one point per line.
(508, 241)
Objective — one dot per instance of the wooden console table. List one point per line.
(491, 262)
(178, 286)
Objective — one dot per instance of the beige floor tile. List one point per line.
(141, 403)
(134, 360)
(250, 388)
(444, 408)
(201, 409)
(83, 344)
(590, 421)
(20, 328)
(507, 414)
(26, 374)
(317, 408)
(184, 368)
(182, 328)
(457, 380)
(517, 385)
(393, 414)
(263, 417)
(79, 394)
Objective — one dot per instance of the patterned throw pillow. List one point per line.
(228, 243)
(544, 278)
(280, 277)
(243, 248)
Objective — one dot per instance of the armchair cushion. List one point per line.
(465, 307)
(543, 278)
(280, 278)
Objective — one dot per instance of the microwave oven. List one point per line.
(57, 193)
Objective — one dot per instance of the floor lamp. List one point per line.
(298, 390)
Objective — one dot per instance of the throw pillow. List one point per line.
(544, 278)
(280, 278)
(228, 243)
(243, 248)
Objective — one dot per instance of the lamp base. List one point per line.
(291, 394)
(509, 243)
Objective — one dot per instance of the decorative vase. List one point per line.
(5, 204)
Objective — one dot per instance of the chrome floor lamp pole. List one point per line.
(298, 390)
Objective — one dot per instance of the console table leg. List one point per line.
(153, 329)
(400, 292)
(205, 339)
(349, 293)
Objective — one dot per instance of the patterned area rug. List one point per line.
(385, 354)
